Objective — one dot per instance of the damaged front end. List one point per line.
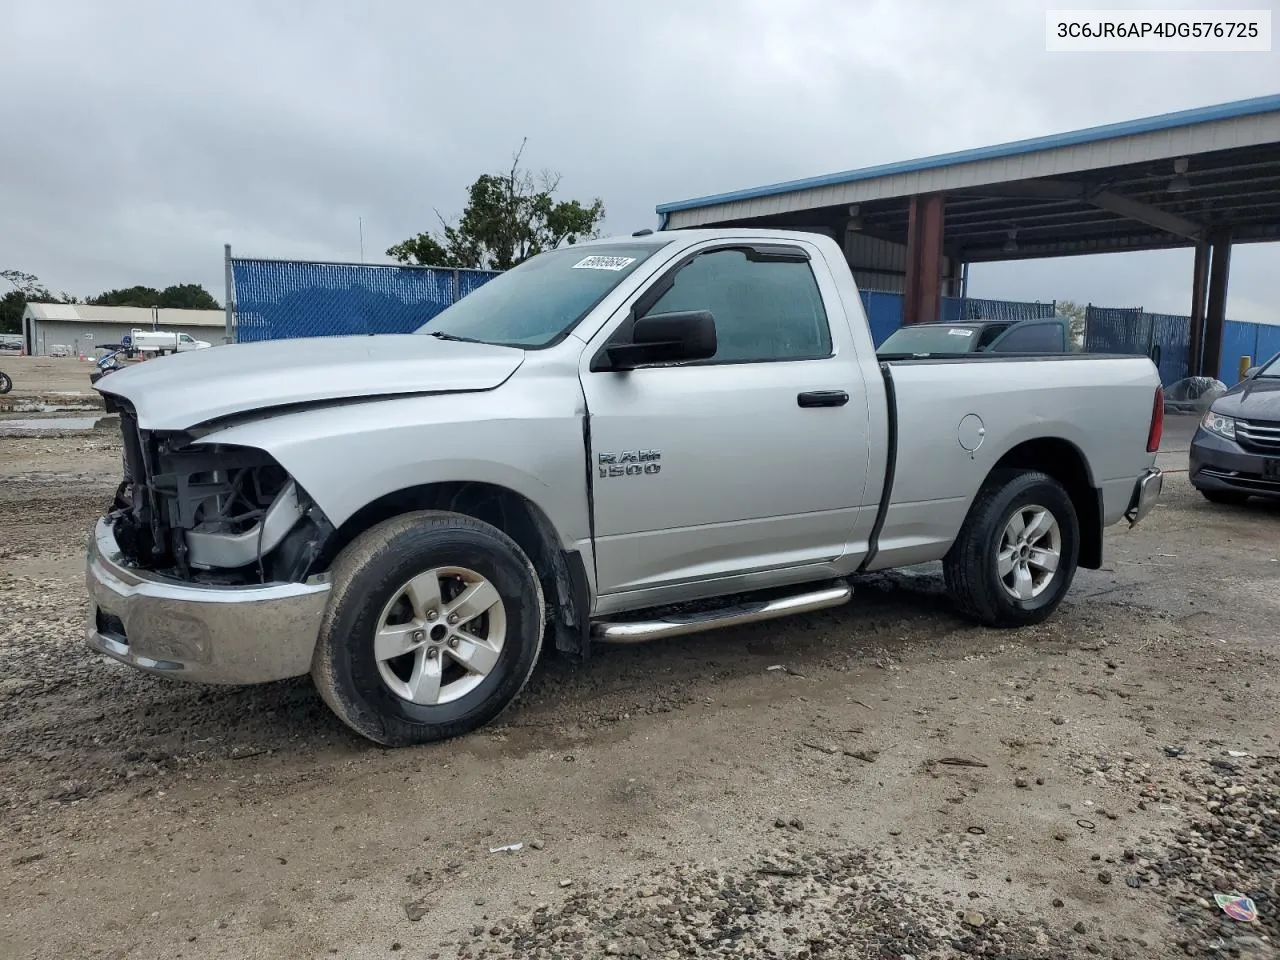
(211, 513)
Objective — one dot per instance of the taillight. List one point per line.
(1156, 432)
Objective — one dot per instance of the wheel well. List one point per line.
(1063, 461)
(562, 572)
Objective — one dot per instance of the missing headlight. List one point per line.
(212, 512)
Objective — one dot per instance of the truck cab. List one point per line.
(160, 342)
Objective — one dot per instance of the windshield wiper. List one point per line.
(441, 335)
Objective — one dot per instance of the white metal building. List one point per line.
(81, 326)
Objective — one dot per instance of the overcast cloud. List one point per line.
(138, 137)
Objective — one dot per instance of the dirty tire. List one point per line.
(1227, 498)
(369, 572)
(6, 384)
(970, 566)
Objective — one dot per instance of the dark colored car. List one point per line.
(1046, 335)
(1235, 453)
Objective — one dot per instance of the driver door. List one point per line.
(721, 474)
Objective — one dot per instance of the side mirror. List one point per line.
(1248, 374)
(666, 338)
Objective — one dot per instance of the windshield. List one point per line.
(542, 299)
(930, 339)
(1271, 368)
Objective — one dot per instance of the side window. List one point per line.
(1039, 338)
(989, 335)
(186, 339)
(764, 310)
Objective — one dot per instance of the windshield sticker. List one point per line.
(960, 332)
(604, 263)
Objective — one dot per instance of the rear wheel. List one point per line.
(1016, 555)
(434, 624)
(1225, 497)
(6, 384)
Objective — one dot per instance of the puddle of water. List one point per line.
(57, 424)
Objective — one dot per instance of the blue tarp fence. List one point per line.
(282, 299)
(1258, 341)
(1166, 338)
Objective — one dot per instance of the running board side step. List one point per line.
(642, 631)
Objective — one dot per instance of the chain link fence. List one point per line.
(1166, 339)
(282, 299)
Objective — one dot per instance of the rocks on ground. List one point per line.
(788, 904)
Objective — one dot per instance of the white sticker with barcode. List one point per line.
(960, 332)
(604, 263)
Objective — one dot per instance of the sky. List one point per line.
(136, 138)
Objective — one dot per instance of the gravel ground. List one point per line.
(41, 383)
(906, 785)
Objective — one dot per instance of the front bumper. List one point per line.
(208, 634)
(1146, 493)
(1216, 463)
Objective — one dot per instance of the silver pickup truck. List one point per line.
(613, 442)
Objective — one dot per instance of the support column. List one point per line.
(922, 302)
(1216, 313)
(229, 295)
(910, 282)
(1199, 289)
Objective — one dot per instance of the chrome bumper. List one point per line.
(195, 632)
(1146, 493)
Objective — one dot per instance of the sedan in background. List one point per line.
(1235, 453)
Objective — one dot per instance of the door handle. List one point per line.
(823, 398)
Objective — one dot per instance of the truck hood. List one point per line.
(185, 389)
(1257, 399)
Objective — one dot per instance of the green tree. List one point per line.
(182, 296)
(12, 305)
(26, 288)
(508, 218)
(26, 283)
(1075, 313)
(137, 296)
(188, 296)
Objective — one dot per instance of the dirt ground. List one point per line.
(46, 380)
(883, 780)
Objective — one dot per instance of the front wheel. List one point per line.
(1016, 555)
(434, 624)
(6, 384)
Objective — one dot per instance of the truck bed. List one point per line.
(994, 404)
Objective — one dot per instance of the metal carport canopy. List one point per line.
(1098, 190)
